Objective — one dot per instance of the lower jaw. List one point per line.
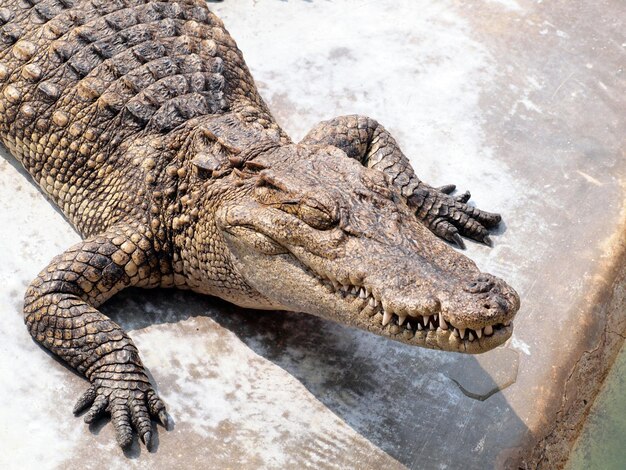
(444, 340)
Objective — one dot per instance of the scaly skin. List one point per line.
(141, 122)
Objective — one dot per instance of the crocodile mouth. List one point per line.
(430, 330)
(384, 282)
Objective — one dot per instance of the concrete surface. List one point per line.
(522, 102)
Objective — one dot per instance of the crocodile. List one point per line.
(141, 122)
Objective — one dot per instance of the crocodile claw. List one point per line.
(146, 438)
(458, 240)
(163, 419)
(447, 188)
(130, 402)
(450, 217)
(463, 198)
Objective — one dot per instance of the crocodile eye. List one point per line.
(317, 215)
(308, 209)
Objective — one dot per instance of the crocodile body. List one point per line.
(142, 123)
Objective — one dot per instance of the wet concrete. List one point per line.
(601, 442)
(519, 101)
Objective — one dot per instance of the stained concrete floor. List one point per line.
(520, 101)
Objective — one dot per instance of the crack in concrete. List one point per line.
(481, 378)
(483, 397)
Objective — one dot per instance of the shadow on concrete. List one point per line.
(424, 408)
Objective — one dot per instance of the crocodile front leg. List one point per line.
(448, 217)
(61, 314)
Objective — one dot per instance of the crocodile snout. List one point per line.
(486, 300)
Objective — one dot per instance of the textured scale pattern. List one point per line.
(82, 79)
(141, 121)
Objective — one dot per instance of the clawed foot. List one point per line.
(449, 217)
(130, 400)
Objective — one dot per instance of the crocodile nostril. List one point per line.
(478, 287)
(487, 306)
(503, 303)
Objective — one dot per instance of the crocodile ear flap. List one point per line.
(214, 153)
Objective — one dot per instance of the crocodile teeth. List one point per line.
(455, 332)
(479, 333)
(419, 326)
(471, 336)
(362, 294)
(335, 284)
(435, 318)
(461, 333)
(426, 320)
(488, 330)
(387, 316)
(431, 326)
(408, 325)
(401, 319)
(355, 290)
(442, 323)
(372, 302)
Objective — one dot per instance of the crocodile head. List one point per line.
(324, 235)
